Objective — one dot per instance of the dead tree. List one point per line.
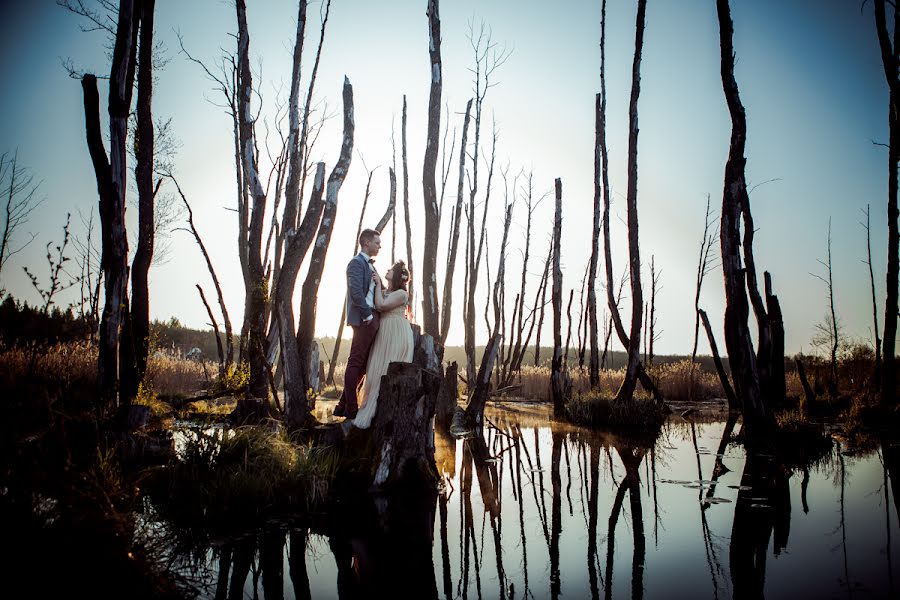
(876, 375)
(255, 284)
(600, 183)
(891, 63)
(136, 331)
(516, 344)
(481, 390)
(653, 334)
(430, 307)
(228, 359)
(557, 375)
(733, 401)
(582, 319)
(612, 302)
(488, 58)
(409, 252)
(703, 268)
(453, 242)
(309, 295)
(829, 330)
(111, 173)
(473, 256)
(297, 241)
(17, 184)
(626, 390)
(758, 416)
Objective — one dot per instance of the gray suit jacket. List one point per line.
(359, 277)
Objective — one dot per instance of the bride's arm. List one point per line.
(379, 295)
(392, 300)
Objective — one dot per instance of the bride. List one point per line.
(393, 342)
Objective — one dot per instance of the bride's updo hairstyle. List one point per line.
(400, 276)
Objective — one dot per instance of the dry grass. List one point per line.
(169, 374)
(75, 364)
(674, 381)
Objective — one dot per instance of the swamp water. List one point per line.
(536, 509)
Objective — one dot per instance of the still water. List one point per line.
(542, 510)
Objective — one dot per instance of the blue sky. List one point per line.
(809, 74)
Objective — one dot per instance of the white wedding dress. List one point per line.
(393, 343)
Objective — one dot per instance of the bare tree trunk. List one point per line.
(430, 307)
(651, 320)
(215, 326)
(256, 285)
(612, 302)
(309, 295)
(626, 390)
(733, 401)
(889, 60)
(110, 174)
(297, 241)
(136, 342)
(409, 252)
(480, 392)
(569, 331)
(454, 232)
(702, 269)
(876, 375)
(557, 375)
(229, 341)
(600, 184)
(758, 419)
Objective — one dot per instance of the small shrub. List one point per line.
(599, 410)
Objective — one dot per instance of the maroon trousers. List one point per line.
(363, 336)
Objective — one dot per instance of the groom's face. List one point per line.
(373, 247)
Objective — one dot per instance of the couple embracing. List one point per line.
(376, 311)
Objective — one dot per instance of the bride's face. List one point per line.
(389, 276)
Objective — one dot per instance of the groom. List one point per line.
(361, 316)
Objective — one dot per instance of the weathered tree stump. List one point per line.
(447, 397)
(403, 429)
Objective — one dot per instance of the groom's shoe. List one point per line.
(350, 414)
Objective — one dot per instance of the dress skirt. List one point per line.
(393, 343)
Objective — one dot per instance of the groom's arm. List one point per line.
(358, 288)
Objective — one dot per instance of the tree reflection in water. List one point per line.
(527, 473)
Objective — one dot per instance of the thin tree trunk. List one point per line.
(626, 390)
(758, 419)
(296, 244)
(298, 414)
(889, 61)
(454, 232)
(136, 346)
(430, 307)
(110, 173)
(600, 184)
(229, 340)
(876, 375)
(557, 385)
(256, 292)
(409, 251)
(215, 326)
(733, 401)
(607, 248)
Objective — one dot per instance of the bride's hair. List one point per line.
(400, 276)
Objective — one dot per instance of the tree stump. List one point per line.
(447, 397)
(403, 430)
